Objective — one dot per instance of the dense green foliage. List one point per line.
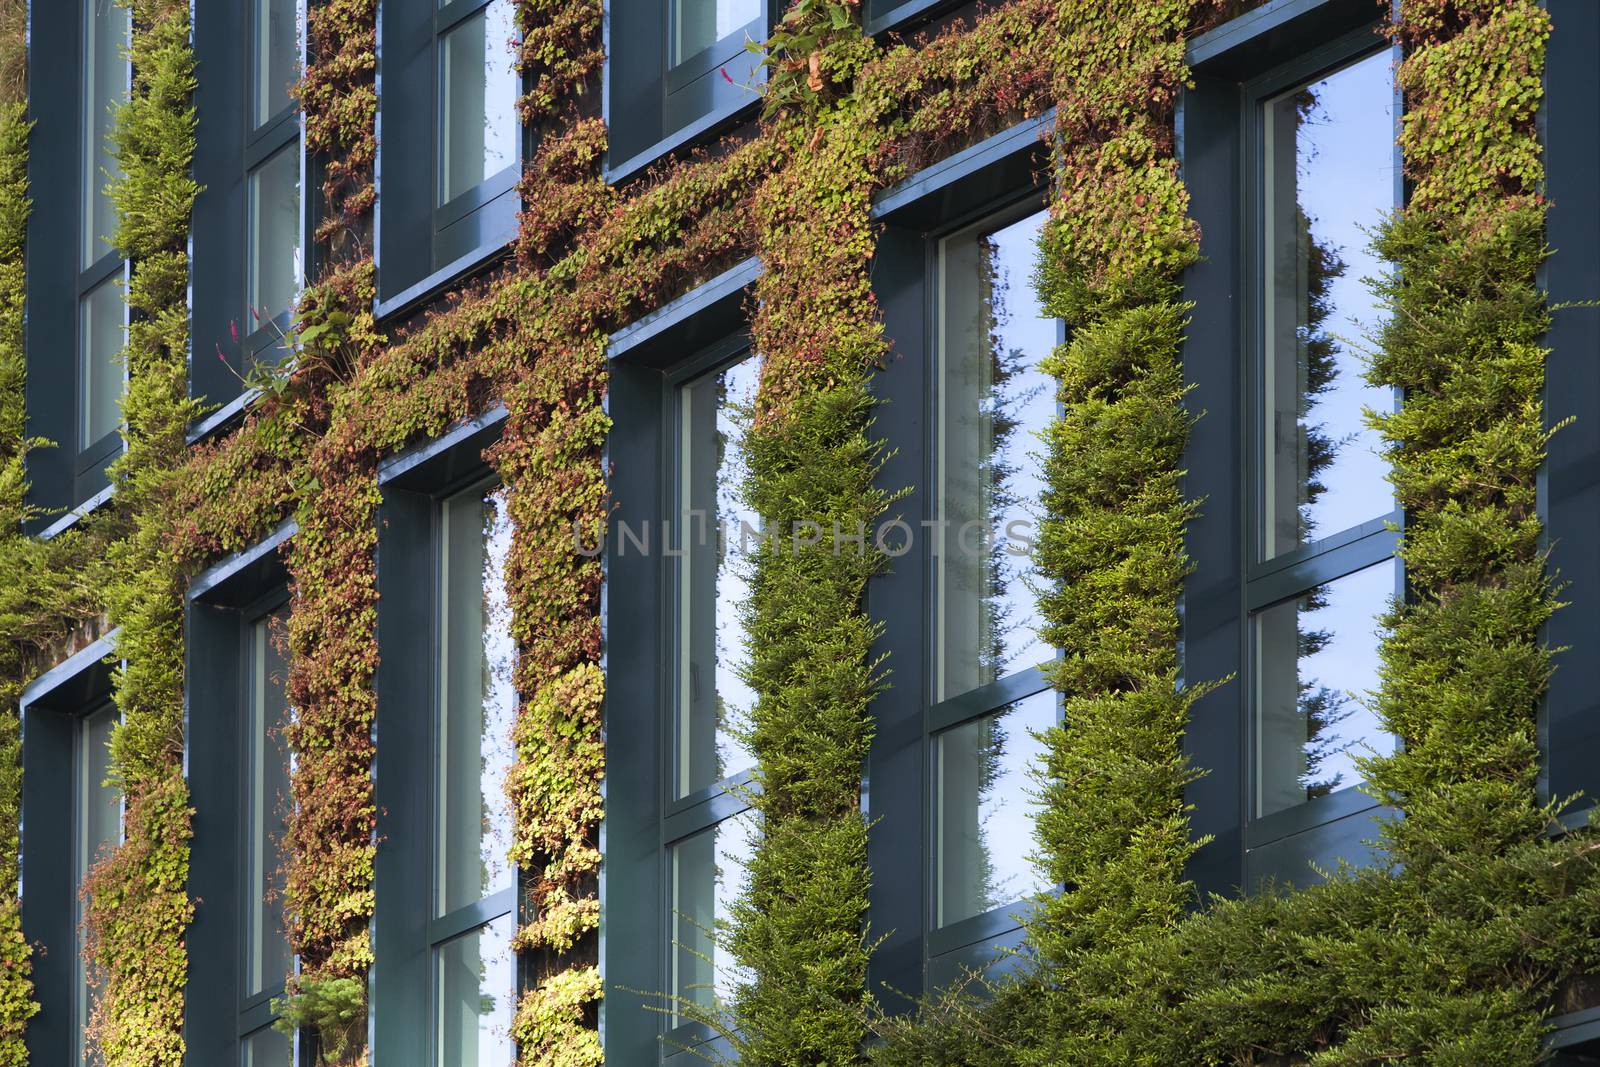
(1451, 955)
(1454, 951)
(137, 897)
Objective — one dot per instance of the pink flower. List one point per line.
(725, 75)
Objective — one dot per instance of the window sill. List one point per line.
(73, 517)
(458, 270)
(977, 929)
(1342, 804)
(1252, 43)
(701, 127)
(901, 16)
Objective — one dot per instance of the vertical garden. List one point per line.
(1453, 950)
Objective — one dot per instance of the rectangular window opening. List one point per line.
(478, 87)
(716, 534)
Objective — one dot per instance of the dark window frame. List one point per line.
(1236, 65)
(53, 708)
(654, 107)
(224, 603)
(421, 244)
(230, 149)
(61, 475)
(994, 181)
(693, 334)
(405, 931)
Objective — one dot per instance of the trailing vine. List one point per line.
(137, 897)
(1456, 948)
(1450, 957)
(16, 964)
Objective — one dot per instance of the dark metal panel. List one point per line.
(217, 282)
(693, 321)
(1263, 37)
(1571, 488)
(214, 670)
(400, 976)
(405, 144)
(1212, 637)
(1011, 159)
(1298, 859)
(632, 893)
(48, 891)
(52, 253)
(896, 786)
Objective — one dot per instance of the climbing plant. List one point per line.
(1450, 955)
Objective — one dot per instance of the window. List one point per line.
(989, 700)
(708, 844)
(100, 302)
(274, 269)
(452, 147)
(1322, 569)
(474, 884)
(238, 770)
(699, 25)
(272, 153)
(97, 829)
(249, 262)
(105, 85)
(275, 58)
(101, 332)
(265, 953)
(675, 71)
(477, 100)
(266, 956)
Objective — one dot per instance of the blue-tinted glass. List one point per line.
(991, 402)
(274, 276)
(1316, 662)
(983, 810)
(716, 532)
(699, 24)
(707, 872)
(276, 32)
(477, 703)
(105, 85)
(266, 958)
(477, 100)
(1330, 178)
(475, 992)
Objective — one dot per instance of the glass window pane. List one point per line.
(475, 990)
(98, 830)
(1330, 177)
(276, 53)
(699, 24)
(105, 85)
(1316, 660)
(267, 958)
(707, 872)
(477, 100)
(992, 402)
(712, 698)
(274, 274)
(266, 1048)
(477, 702)
(100, 339)
(983, 809)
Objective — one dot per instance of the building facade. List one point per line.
(553, 535)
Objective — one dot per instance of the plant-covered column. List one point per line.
(16, 987)
(329, 841)
(1113, 828)
(799, 929)
(138, 897)
(1482, 897)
